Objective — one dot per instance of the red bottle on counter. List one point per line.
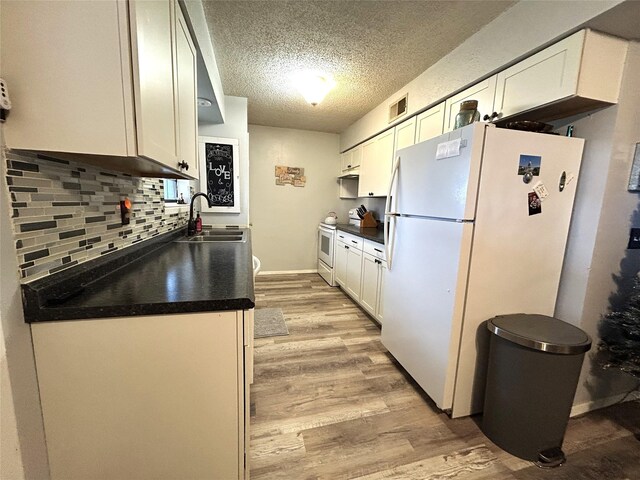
(198, 223)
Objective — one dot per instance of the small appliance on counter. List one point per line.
(331, 218)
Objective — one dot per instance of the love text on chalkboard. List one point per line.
(220, 174)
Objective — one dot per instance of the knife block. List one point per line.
(368, 221)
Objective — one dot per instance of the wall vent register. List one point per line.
(399, 108)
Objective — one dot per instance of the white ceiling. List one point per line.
(372, 48)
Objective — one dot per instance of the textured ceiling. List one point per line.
(372, 49)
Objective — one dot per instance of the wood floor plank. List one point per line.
(267, 451)
(470, 463)
(329, 402)
(617, 460)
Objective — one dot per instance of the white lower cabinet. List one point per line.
(382, 267)
(146, 397)
(373, 271)
(341, 263)
(360, 269)
(348, 268)
(369, 296)
(354, 272)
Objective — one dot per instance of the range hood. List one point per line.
(355, 173)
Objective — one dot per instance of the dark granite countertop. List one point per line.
(162, 276)
(374, 234)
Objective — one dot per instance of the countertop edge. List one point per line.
(48, 314)
(373, 234)
(36, 308)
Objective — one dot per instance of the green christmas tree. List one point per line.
(620, 335)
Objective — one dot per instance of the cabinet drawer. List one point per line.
(375, 249)
(350, 240)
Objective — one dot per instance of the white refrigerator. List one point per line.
(476, 226)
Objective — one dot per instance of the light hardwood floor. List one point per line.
(329, 402)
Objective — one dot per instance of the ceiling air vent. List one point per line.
(398, 108)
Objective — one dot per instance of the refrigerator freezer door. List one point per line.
(440, 187)
(424, 299)
(517, 257)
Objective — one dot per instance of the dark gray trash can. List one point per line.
(533, 370)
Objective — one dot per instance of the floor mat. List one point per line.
(269, 322)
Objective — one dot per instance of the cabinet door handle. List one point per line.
(347, 247)
(379, 251)
(353, 241)
(183, 165)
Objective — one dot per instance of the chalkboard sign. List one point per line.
(219, 173)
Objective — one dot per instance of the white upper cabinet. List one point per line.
(577, 74)
(429, 123)
(368, 168)
(186, 75)
(405, 135)
(351, 159)
(153, 81)
(483, 92)
(345, 160)
(62, 62)
(375, 169)
(97, 80)
(356, 156)
(585, 68)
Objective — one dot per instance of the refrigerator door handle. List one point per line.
(389, 238)
(388, 215)
(394, 172)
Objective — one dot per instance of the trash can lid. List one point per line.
(540, 332)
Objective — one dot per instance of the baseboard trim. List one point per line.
(585, 407)
(289, 272)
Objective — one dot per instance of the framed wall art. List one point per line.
(219, 174)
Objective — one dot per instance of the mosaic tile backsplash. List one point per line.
(65, 213)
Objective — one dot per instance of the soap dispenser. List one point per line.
(198, 223)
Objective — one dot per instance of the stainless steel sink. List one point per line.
(216, 236)
(220, 232)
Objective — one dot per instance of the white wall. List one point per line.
(597, 265)
(235, 126)
(22, 443)
(524, 27)
(285, 218)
